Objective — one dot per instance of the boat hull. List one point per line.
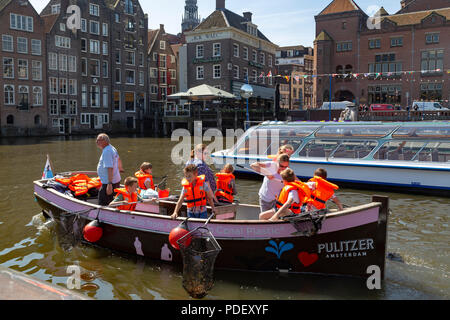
(347, 244)
(360, 175)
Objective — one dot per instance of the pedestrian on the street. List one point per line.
(108, 169)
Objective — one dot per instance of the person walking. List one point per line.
(108, 169)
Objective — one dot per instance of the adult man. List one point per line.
(108, 169)
(273, 182)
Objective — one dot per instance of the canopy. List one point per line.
(202, 92)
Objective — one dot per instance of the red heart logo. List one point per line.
(308, 259)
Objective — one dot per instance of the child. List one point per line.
(144, 176)
(226, 185)
(127, 197)
(285, 149)
(293, 198)
(322, 191)
(196, 192)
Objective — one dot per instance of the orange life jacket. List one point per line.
(195, 197)
(303, 194)
(80, 184)
(142, 176)
(323, 192)
(126, 197)
(224, 186)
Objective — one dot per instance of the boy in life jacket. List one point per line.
(144, 176)
(226, 185)
(196, 193)
(322, 191)
(293, 198)
(127, 198)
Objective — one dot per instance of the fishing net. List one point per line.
(307, 224)
(199, 250)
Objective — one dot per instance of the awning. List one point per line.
(258, 91)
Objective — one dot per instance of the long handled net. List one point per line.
(199, 250)
(307, 224)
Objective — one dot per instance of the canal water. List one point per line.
(418, 235)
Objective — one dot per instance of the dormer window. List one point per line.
(252, 29)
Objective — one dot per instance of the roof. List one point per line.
(323, 36)
(112, 3)
(338, 6)
(225, 18)
(382, 12)
(152, 35)
(176, 48)
(4, 3)
(49, 21)
(416, 17)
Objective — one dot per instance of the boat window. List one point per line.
(422, 132)
(337, 131)
(399, 150)
(319, 148)
(354, 149)
(435, 152)
(267, 140)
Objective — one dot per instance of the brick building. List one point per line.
(163, 67)
(129, 44)
(79, 76)
(226, 49)
(293, 64)
(23, 110)
(392, 58)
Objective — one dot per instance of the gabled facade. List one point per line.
(129, 45)
(79, 76)
(23, 110)
(163, 68)
(397, 59)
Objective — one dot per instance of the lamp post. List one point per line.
(247, 93)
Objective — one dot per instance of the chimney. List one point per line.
(248, 16)
(161, 26)
(220, 4)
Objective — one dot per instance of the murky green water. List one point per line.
(418, 231)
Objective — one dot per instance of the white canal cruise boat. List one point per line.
(407, 157)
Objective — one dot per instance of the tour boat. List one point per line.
(409, 156)
(342, 243)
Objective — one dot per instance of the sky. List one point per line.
(284, 22)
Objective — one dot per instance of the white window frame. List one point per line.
(214, 71)
(73, 87)
(94, 10)
(198, 48)
(21, 44)
(162, 45)
(13, 95)
(105, 74)
(72, 63)
(236, 55)
(40, 101)
(105, 97)
(12, 65)
(63, 86)
(36, 65)
(105, 29)
(219, 47)
(94, 23)
(54, 108)
(120, 76)
(198, 69)
(83, 25)
(18, 69)
(134, 77)
(94, 46)
(10, 41)
(53, 89)
(36, 44)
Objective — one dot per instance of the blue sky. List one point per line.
(284, 22)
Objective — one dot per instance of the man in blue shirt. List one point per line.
(108, 169)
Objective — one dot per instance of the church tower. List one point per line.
(190, 18)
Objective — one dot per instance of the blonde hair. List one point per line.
(198, 148)
(283, 149)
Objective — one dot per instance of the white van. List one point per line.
(427, 106)
(336, 105)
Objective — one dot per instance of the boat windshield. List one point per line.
(422, 132)
(267, 140)
(369, 131)
(414, 151)
(347, 149)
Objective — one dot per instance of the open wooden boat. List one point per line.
(346, 242)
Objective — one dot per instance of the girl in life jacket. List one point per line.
(196, 193)
(128, 197)
(144, 176)
(293, 198)
(322, 191)
(226, 185)
(285, 149)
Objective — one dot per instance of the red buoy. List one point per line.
(92, 232)
(178, 233)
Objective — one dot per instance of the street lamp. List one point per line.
(247, 93)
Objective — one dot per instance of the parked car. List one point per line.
(382, 107)
(427, 106)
